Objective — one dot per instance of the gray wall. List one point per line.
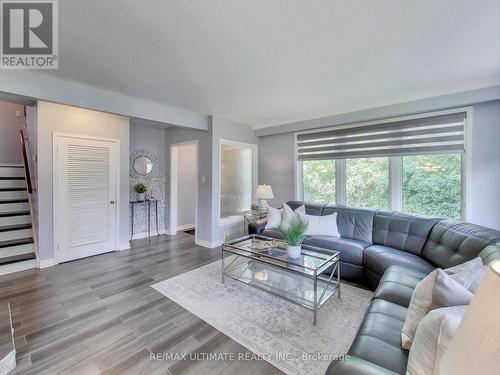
(186, 185)
(276, 165)
(483, 176)
(204, 138)
(60, 118)
(10, 147)
(47, 87)
(149, 138)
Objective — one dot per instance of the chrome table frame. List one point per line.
(316, 274)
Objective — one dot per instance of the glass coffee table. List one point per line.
(301, 280)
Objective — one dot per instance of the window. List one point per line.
(319, 180)
(432, 185)
(367, 182)
(411, 164)
(237, 179)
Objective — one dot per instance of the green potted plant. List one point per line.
(254, 206)
(141, 190)
(294, 235)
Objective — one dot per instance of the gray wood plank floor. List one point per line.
(99, 315)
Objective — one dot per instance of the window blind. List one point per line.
(434, 134)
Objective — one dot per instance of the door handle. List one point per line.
(112, 202)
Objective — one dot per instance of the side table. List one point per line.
(251, 216)
(148, 203)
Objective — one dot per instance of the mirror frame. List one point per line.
(143, 156)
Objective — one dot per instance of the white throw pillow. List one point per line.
(288, 213)
(321, 225)
(274, 217)
(437, 289)
(433, 336)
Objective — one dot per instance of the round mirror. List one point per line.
(143, 165)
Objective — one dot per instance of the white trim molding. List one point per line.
(186, 226)
(46, 263)
(208, 244)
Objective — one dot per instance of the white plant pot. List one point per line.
(141, 197)
(293, 251)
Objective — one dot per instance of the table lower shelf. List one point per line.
(291, 286)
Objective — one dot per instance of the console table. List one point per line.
(148, 203)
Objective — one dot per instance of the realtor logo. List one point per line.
(29, 37)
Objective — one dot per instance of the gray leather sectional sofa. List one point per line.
(390, 252)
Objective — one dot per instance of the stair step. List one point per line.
(6, 178)
(13, 194)
(13, 207)
(12, 201)
(7, 228)
(17, 250)
(11, 172)
(14, 213)
(16, 258)
(7, 184)
(9, 243)
(15, 234)
(14, 189)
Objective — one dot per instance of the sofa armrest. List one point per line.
(490, 253)
(356, 366)
(257, 227)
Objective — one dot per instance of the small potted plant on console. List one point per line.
(141, 190)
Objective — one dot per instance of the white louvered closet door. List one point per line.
(86, 197)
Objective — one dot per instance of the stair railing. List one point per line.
(22, 138)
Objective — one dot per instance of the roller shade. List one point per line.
(435, 134)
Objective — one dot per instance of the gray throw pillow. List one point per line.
(438, 289)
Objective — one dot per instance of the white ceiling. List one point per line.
(267, 62)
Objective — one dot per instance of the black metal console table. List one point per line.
(148, 203)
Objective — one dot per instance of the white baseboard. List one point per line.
(186, 226)
(208, 244)
(16, 267)
(45, 263)
(124, 246)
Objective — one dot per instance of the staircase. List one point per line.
(16, 233)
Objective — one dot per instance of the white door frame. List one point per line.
(173, 187)
(55, 186)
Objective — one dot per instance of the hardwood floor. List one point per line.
(99, 315)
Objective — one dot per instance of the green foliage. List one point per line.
(254, 206)
(368, 182)
(295, 233)
(319, 181)
(432, 185)
(140, 188)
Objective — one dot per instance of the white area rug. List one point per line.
(280, 332)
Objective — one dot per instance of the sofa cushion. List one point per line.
(351, 251)
(451, 243)
(378, 258)
(402, 231)
(356, 366)
(353, 222)
(397, 285)
(379, 337)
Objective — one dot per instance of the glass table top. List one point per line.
(312, 260)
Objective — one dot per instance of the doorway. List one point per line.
(183, 187)
(86, 187)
